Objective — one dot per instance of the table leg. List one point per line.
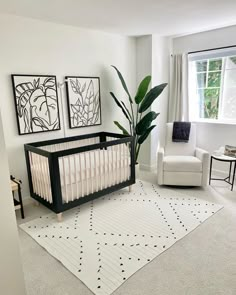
(233, 176)
(230, 167)
(21, 203)
(210, 171)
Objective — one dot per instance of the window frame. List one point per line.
(220, 119)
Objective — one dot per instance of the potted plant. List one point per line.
(140, 124)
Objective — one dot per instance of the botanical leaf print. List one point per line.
(85, 110)
(37, 104)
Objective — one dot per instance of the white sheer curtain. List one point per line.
(178, 109)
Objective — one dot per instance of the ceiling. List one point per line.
(129, 17)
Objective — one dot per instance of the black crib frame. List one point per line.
(57, 205)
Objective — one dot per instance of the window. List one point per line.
(212, 86)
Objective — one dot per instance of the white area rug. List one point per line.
(107, 240)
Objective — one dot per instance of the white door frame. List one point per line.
(11, 273)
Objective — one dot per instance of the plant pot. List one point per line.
(137, 170)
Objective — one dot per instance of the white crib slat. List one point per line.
(81, 176)
(76, 178)
(65, 180)
(108, 168)
(120, 163)
(32, 168)
(125, 156)
(43, 178)
(95, 169)
(117, 164)
(112, 165)
(128, 158)
(86, 172)
(104, 168)
(70, 179)
(116, 170)
(49, 181)
(91, 175)
(38, 175)
(35, 172)
(100, 169)
(46, 178)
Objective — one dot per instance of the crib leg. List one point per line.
(59, 217)
(130, 188)
(36, 203)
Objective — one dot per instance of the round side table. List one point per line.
(228, 159)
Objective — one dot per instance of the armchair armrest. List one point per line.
(204, 157)
(160, 157)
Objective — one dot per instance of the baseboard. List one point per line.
(148, 168)
(219, 173)
(153, 169)
(222, 174)
(144, 167)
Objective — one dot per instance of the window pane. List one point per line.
(215, 65)
(201, 66)
(211, 103)
(201, 80)
(231, 62)
(229, 90)
(214, 79)
(200, 94)
(229, 104)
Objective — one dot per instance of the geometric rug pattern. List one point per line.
(107, 240)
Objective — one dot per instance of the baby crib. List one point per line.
(67, 172)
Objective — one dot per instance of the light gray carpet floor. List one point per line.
(202, 263)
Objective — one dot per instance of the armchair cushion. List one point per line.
(182, 164)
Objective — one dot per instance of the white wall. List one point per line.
(153, 54)
(11, 274)
(143, 69)
(36, 47)
(161, 47)
(210, 136)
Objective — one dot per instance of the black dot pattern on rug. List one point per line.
(116, 242)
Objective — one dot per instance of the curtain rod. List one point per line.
(217, 48)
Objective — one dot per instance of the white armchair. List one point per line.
(181, 163)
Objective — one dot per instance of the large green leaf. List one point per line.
(142, 89)
(145, 122)
(128, 112)
(127, 115)
(144, 136)
(123, 83)
(151, 96)
(125, 132)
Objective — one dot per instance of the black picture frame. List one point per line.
(81, 114)
(36, 103)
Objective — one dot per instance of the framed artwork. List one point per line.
(36, 102)
(84, 103)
